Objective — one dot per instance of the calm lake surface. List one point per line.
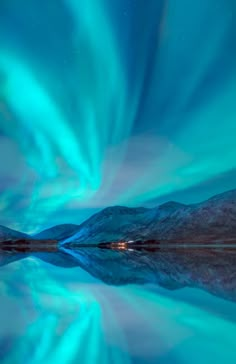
(101, 306)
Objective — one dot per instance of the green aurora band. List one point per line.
(64, 315)
(122, 104)
(112, 102)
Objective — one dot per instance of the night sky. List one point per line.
(128, 102)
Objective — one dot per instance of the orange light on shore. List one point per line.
(121, 245)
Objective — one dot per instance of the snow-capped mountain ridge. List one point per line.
(210, 220)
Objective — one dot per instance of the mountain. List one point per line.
(58, 232)
(8, 234)
(211, 220)
(118, 222)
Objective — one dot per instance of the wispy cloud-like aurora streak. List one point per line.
(96, 113)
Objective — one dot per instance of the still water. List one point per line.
(98, 306)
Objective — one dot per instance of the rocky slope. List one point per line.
(211, 220)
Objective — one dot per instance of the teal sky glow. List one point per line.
(66, 315)
(105, 103)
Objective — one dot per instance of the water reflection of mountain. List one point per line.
(212, 270)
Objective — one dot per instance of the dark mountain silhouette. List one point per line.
(9, 234)
(213, 220)
(58, 232)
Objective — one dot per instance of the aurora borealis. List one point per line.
(114, 102)
(67, 316)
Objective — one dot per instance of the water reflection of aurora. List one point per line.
(60, 315)
(114, 104)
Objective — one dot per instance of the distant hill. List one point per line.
(8, 234)
(58, 232)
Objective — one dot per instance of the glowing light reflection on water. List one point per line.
(55, 315)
